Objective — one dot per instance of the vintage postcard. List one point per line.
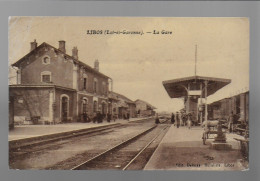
(128, 93)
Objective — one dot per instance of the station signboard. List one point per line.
(195, 92)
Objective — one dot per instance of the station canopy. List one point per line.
(176, 88)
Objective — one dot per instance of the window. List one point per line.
(95, 85)
(85, 83)
(46, 76)
(104, 88)
(46, 60)
(85, 80)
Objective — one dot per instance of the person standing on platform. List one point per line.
(231, 122)
(95, 118)
(99, 117)
(178, 119)
(181, 118)
(114, 117)
(85, 117)
(172, 119)
(189, 121)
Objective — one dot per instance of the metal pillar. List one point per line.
(188, 99)
(206, 106)
(201, 114)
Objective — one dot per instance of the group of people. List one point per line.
(185, 119)
(234, 120)
(98, 117)
(126, 116)
(178, 119)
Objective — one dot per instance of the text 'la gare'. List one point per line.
(162, 32)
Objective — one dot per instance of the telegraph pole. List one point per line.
(195, 59)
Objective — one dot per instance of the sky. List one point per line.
(139, 63)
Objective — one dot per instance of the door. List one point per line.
(64, 109)
(84, 106)
(103, 108)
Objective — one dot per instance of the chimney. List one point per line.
(62, 46)
(75, 53)
(33, 45)
(96, 65)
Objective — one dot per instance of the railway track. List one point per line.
(16, 145)
(28, 142)
(23, 147)
(123, 155)
(19, 150)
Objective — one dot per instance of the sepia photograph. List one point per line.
(128, 93)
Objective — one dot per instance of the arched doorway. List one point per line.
(85, 117)
(64, 108)
(84, 105)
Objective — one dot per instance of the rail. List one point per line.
(13, 146)
(148, 144)
(78, 167)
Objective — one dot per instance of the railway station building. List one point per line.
(238, 104)
(144, 108)
(120, 106)
(54, 87)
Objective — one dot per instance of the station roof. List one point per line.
(117, 97)
(176, 87)
(148, 104)
(44, 44)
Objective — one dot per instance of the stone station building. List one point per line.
(54, 87)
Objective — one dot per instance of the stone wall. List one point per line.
(30, 102)
(60, 67)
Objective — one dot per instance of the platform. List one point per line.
(183, 149)
(29, 131)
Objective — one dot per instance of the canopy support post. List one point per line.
(206, 106)
(201, 103)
